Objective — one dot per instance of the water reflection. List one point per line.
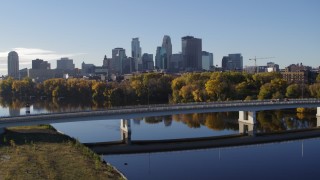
(14, 111)
(271, 121)
(288, 160)
(267, 121)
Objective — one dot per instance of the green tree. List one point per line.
(293, 91)
(6, 87)
(318, 78)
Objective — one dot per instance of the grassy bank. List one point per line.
(39, 152)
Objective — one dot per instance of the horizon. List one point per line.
(84, 31)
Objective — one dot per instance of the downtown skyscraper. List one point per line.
(13, 64)
(192, 53)
(167, 46)
(136, 52)
(163, 54)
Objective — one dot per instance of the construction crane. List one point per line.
(255, 61)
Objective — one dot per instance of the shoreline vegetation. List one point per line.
(40, 152)
(166, 88)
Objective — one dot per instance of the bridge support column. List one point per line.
(247, 122)
(125, 129)
(318, 111)
(247, 116)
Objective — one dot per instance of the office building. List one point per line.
(136, 52)
(128, 65)
(40, 64)
(176, 63)
(298, 73)
(118, 58)
(167, 48)
(192, 53)
(87, 69)
(207, 60)
(272, 67)
(161, 58)
(147, 62)
(232, 62)
(65, 64)
(13, 64)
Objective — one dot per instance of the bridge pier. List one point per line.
(247, 122)
(125, 129)
(247, 116)
(318, 111)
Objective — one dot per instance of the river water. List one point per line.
(298, 159)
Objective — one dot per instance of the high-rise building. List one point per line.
(40, 64)
(161, 58)
(128, 65)
(207, 60)
(157, 58)
(13, 64)
(167, 46)
(65, 64)
(176, 63)
(136, 52)
(118, 58)
(232, 62)
(147, 62)
(192, 53)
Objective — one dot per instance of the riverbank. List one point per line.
(40, 152)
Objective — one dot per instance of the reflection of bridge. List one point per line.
(127, 146)
(247, 112)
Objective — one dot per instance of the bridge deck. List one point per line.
(155, 110)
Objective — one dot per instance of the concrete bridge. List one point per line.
(247, 123)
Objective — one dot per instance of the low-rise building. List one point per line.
(298, 73)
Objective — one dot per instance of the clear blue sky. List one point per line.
(86, 30)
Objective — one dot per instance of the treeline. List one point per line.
(142, 88)
(154, 87)
(217, 86)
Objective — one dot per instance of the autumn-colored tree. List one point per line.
(315, 90)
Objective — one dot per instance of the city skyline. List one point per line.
(84, 31)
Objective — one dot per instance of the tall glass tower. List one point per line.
(13, 64)
(167, 46)
(136, 51)
(192, 53)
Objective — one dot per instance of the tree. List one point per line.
(318, 78)
(186, 93)
(266, 91)
(315, 90)
(6, 87)
(98, 89)
(292, 91)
